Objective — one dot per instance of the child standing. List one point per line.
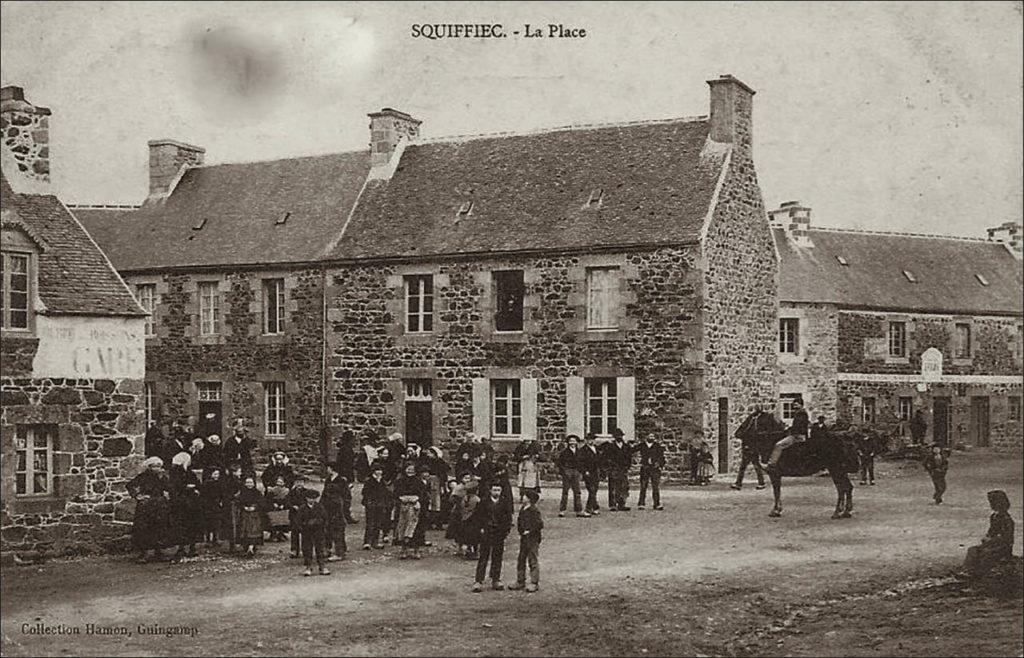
(312, 522)
(408, 491)
(937, 463)
(212, 494)
(377, 503)
(528, 478)
(529, 524)
(250, 520)
(231, 491)
(295, 501)
(469, 531)
(335, 492)
(705, 464)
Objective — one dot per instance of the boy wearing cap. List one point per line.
(312, 522)
(336, 490)
(529, 525)
(377, 503)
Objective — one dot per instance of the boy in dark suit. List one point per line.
(529, 525)
(493, 516)
(312, 522)
(652, 460)
(336, 491)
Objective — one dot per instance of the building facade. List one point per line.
(874, 327)
(71, 362)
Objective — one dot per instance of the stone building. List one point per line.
(71, 361)
(875, 326)
(518, 286)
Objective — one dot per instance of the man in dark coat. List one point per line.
(152, 522)
(569, 469)
(652, 460)
(178, 441)
(797, 432)
(311, 519)
(590, 468)
(493, 516)
(918, 427)
(156, 435)
(747, 434)
(239, 448)
(618, 458)
(336, 491)
(278, 468)
(345, 462)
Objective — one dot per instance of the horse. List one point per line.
(832, 450)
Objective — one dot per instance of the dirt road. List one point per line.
(711, 575)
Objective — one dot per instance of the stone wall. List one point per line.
(16, 355)
(97, 443)
(240, 356)
(657, 343)
(740, 314)
(812, 371)
(26, 135)
(863, 343)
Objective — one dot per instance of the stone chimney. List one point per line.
(731, 114)
(387, 128)
(795, 220)
(1009, 233)
(26, 142)
(167, 159)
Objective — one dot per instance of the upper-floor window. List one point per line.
(868, 410)
(506, 407)
(274, 405)
(419, 303)
(602, 406)
(273, 306)
(14, 297)
(209, 308)
(789, 335)
(509, 292)
(33, 472)
(898, 339)
(962, 347)
(602, 297)
(1015, 407)
(145, 293)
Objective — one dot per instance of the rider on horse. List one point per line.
(797, 433)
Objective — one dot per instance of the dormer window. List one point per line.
(198, 226)
(910, 276)
(595, 198)
(282, 219)
(981, 279)
(465, 210)
(843, 261)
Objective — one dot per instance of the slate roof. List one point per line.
(74, 277)
(239, 207)
(944, 268)
(530, 192)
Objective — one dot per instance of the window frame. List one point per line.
(909, 400)
(418, 390)
(866, 403)
(1015, 404)
(419, 288)
(511, 418)
(613, 274)
(209, 304)
(275, 417)
(607, 396)
(273, 287)
(784, 338)
(6, 272)
(148, 304)
(497, 277)
(786, 405)
(205, 387)
(29, 451)
(960, 350)
(897, 339)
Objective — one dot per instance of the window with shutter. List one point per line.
(602, 297)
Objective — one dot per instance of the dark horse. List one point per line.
(833, 451)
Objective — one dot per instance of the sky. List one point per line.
(882, 116)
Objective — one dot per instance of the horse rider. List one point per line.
(797, 433)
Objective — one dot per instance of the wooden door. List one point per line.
(419, 423)
(940, 421)
(979, 421)
(723, 435)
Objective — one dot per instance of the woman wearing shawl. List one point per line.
(151, 523)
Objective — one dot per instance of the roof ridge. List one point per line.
(271, 160)
(542, 131)
(102, 206)
(965, 238)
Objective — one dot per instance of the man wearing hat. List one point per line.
(618, 458)
(239, 448)
(278, 468)
(377, 503)
(797, 433)
(311, 520)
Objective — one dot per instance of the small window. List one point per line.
(145, 293)
(510, 292)
(283, 219)
(602, 406)
(842, 260)
(14, 297)
(150, 405)
(595, 198)
(898, 339)
(273, 306)
(506, 408)
(274, 404)
(981, 279)
(789, 335)
(208, 391)
(602, 297)
(419, 303)
(910, 276)
(33, 473)
(198, 226)
(906, 408)
(1015, 407)
(868, 410)
(962, 349)
(418, 390)
(209, 308)
(786, 405)
(465, 210)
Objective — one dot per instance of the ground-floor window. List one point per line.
(602, 406)
(906, 408)
(506, 407)
(33, 475)
(867, 410)
(1015, 407)
(274, 393)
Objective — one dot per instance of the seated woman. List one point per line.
(997, 544)
(277, 509)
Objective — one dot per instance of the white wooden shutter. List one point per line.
(481, 406)
(528, 390)
(575, 406)
(626, 390)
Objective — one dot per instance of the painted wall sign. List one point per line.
(931, 365)
(90, 348)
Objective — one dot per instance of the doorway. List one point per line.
(211, 410)
(979, 421)
(419, 416)
(941, 421)
(723, 435)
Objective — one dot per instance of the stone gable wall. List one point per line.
(812, 372)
